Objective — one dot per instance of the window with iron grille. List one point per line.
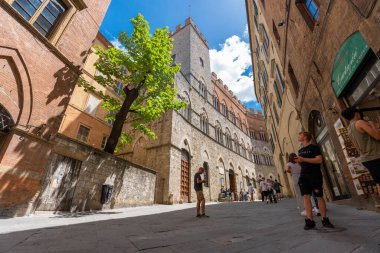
(44, 15)
(83, 133)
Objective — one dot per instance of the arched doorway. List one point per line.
(6, 124)
(185, 176)
(331, 165)
(232, 178)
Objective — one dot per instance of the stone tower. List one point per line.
(192, 52)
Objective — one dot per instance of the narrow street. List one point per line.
(232, 227)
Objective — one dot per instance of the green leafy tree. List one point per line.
(145, 67)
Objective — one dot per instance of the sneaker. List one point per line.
(198, 216)
(303, 213)
(205, 216)
(309, 224)
(326, 223)
(315, 210)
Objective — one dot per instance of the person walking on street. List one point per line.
(270, 192)
(295, 170)
(366, 138)
(277, 187)
(198, 187)
(311, 180)
(263, 188)
(251, 191)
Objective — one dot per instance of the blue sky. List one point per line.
(223, 22)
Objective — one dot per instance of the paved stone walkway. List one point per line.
(232, 227)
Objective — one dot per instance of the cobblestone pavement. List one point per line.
(232, 227)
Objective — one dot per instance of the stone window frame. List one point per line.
(72, 7)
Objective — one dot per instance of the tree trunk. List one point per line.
(117, 128)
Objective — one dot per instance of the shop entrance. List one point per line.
(356, 77)
(331, 165)
(232, 178)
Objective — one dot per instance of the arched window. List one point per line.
(224, 109)
(218, 133)
(228, 139)
(215, 102)
(204, 123)
(236, 144)
(238, 122)
(232, 116)
(186, 112)
(202, 89)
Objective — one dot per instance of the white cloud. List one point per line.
(230, 63)
(116, 43)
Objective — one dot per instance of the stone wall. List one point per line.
(89, 169)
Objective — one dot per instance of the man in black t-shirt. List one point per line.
(198, 187)
(311, 180)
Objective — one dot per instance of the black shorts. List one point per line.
(311, 184)
(374, 168)
(278, 191)
(265, 193)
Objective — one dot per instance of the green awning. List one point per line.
(347, 61)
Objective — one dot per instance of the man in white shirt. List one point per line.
(263, 188)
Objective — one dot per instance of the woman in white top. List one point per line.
(295, 170)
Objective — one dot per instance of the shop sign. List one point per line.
(347, 61)
(364, 183)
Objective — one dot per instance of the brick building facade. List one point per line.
(43, 45)
(328, 54)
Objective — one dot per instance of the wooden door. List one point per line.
(185, 176)
(185, 181)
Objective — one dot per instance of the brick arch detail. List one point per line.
(21, 113)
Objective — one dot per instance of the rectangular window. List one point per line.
(309, 10)
(276, 33)
(313, 9)
(279, 78)
(111, 113)
(275, 113)
(256, 22)
(44, 15)
(278, 94)
(255, 7)
(293, 79)
(83, 133)
(104, 142)
(265, 77)
(92, 104)
(202, 63)
(265, 35)
(264, 49)
(119, 88)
